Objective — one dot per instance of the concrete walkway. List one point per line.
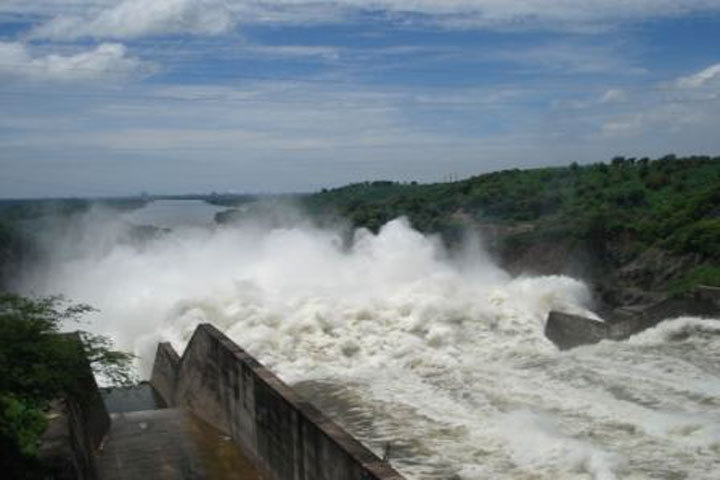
(169, 444)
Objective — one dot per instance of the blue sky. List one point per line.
(114, 97)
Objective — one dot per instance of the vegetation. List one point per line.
(19, 210)
(702, 275)
(669, 203)
(17, 224)
(38, 365)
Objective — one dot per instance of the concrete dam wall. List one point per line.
(76, 427)
(288, 437)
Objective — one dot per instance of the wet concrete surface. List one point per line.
(131, 399)
(169, 444)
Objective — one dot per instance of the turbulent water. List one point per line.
(442, 358)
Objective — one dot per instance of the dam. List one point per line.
(216, 412)
(219, 414)
(445, 359)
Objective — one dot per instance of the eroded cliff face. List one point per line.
(619, 272)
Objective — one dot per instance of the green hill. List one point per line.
(618, 211)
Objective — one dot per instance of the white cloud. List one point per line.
(135, 18)
(624, 126)
(700, 79)
(576, 58)
(106, 61)
(226, 122)
(288, 135)
(668, 120)
(306, 51)
(614, 95)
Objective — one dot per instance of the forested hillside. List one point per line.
(620, 210)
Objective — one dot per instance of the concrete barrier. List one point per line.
(569, 331)
(76, 427)
(164, 373)
(288, 437)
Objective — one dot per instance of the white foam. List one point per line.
(677, 330)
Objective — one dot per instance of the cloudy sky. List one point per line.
(113, 97)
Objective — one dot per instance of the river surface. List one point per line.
(174, 213)
(440, 359)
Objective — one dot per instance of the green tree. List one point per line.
(38, 365)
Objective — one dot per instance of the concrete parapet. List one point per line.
(164, 373)
(288, 437)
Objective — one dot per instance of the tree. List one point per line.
(618, 161)
(37, 365)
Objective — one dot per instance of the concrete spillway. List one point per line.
(229, 418)
(169, 444)
(286, 436)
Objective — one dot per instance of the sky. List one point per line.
(119, 97)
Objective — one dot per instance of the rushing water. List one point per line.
(441, 359)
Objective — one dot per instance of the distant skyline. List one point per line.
(118, 97)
